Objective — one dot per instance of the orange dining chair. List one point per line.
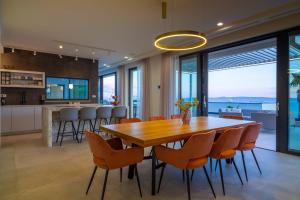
(127, 121)
(247, 143)
(225, 148)
(154, 118)
(192, 155)
(109, 155)
(233, 117)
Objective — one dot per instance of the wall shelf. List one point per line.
(21, 79)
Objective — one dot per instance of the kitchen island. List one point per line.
(50, 117)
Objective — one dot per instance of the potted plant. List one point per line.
(185, 111)
(115, 101)
(296, 83)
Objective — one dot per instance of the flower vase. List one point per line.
(186, 116)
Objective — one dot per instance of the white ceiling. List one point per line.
(120, 27)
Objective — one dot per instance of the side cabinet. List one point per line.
(22, 118)
(5, 119)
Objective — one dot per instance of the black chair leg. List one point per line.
(221, 174)
(62, 135)
(95, 123)
(216, 165)
(104, 185)
(91, 180)
(121, 174)
(192, 174)
(174, 145)
(256, 161)
(81, 133)
(183, 176)
(188, 183)
(244, 164)
(58, 131)
(74, 131)
(138, 180)
(237, 171)
(209, 182)
(161, 176)
(210, 162)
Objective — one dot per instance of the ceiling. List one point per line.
(113, 29)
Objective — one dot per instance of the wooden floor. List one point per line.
(28, 170)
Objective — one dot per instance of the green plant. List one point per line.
(184, 106)
(296, 83)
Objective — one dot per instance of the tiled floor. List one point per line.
(28, 170)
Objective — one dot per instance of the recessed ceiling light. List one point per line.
(76, 58)
(61, 46)
(125, 57)
(34, 53)
(93, 52)
(129, 59)
(76, 50)
(60, 56)
(220, 24)
(12, 50)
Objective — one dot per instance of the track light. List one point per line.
(93, 60)
(76, 58)
(12, 50)
(34, 53)
(60, 56)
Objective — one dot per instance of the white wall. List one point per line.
(155, 67)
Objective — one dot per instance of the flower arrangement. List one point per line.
(185, 106)
(185, 109)
(115, 101)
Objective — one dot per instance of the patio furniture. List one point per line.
(268, 120)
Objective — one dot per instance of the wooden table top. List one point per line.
(152, 133)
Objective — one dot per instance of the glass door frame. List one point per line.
(282, 80)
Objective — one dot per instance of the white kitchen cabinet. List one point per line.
(37, 117)
(22, 118)
(5, 119)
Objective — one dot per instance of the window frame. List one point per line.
(69, 78)
(101, 85)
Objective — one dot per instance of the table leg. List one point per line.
(153, 170)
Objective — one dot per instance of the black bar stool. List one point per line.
(86, 114)
(67, 115)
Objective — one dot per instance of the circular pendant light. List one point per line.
(200, 40)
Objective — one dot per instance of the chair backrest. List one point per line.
(154, 118)
(229, 140)
(233, 117)
(250, 134)
(178, 116)
(119, 112)
(68, 114)
(87, 113)
(104, 112)
(199, 145)
(130, 120)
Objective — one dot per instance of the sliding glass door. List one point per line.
(294, 93)
(134, 92)
(189, 80)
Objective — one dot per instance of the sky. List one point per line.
(254, 81)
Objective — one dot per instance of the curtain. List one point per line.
(169, 84)
(144, 89)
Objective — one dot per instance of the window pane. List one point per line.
(294, 93)
(78, 89)
(108, 88)
(57, 88)
(66, 89)
(189, 81)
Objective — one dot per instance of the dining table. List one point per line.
(153, 133)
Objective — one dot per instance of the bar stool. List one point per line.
(103, 114)
(118, 113)
(67, 115)
(86, 114)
